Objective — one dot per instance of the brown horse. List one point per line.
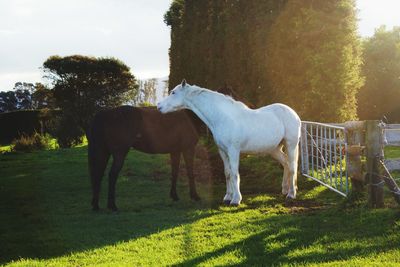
(115, 131)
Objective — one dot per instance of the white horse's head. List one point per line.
(175, 100)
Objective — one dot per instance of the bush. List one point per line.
(67, 132)
(28, 143)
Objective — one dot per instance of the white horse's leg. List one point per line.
(228, 196)
(234, 157)
(293, 155)
(282, 158)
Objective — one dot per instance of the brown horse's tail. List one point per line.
(97, 156)
(91, 153)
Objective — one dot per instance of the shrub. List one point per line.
(67, 132)
(28, 143)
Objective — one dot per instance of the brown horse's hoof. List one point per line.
(113, 208)
(174, 197)
(195, 197)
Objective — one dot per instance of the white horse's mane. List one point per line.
(197, 90)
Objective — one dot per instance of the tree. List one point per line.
(24, 99)
(27, 96)
(8, 101)
(84, 85)
(24, 86)
(42, 97)
(380, 95)
(23, 93)
(314, 56)
(148, 91)
(20, 98)
(165, 88)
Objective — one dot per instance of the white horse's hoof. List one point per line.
(227, 201)
(234, 204)
(236, 201)
(291, 196)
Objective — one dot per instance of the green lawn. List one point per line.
(46, 220)
(392, 152)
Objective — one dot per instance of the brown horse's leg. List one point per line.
(188, 155)
(98, 164)
(118, 162)
(175, 160)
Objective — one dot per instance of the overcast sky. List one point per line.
(131, 30)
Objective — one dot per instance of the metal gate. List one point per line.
(323, 155)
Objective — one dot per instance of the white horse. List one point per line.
(237, 128)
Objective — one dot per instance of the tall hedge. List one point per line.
(305, 53)
(14, 124)
(218, 44)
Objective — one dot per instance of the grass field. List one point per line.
(392, 152)
(46, 220)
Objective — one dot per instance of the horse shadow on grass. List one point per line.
(46, 212)
(56, 234)
(315, 238)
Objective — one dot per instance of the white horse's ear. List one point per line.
(183, 83)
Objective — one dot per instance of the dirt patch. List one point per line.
(202, 169)
(303, 206)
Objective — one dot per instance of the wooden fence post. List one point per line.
(374, 153)
(355, 135)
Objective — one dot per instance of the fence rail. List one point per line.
(392, 138)
(323, 155)
(392, 134)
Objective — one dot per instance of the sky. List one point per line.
(130, 30)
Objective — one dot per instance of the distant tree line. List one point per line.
(305, 53)
(25, 96)
(147, 92)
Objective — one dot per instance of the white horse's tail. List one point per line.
(296, 160)
(292, 125)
